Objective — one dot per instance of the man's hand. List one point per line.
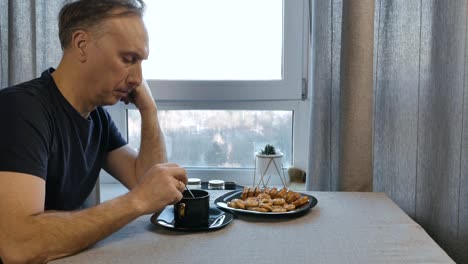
(162, 185)
(141, 97)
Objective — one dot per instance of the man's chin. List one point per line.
(110, 101)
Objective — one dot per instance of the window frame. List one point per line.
(288, 88)
(287, 94)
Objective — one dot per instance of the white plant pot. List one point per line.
(268, 166)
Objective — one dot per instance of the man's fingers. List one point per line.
(169, 165)
(178, 172)
(180, 186)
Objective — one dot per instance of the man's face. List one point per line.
(114, 60)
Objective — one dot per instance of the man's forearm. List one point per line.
(152, 145)
(52, 235)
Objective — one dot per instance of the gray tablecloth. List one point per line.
(342, 228)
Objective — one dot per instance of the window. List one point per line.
(214, 40)
(225, 49)
(203, 138)
(227, 76)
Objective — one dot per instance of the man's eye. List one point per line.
(129, 59)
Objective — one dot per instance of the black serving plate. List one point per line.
(218, 219)
(222, 200)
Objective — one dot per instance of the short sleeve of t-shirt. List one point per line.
(27, 132)
(24, 135)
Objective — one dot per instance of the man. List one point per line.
(55, 138)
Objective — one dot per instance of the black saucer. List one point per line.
(218, 219)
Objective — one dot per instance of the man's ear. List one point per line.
(80, 39)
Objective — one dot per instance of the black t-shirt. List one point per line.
(43, 135)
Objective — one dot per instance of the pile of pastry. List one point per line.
(269, 200)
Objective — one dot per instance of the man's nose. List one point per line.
(135, 75)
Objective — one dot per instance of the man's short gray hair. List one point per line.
(85, 14)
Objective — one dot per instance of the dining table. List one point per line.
(343, 227)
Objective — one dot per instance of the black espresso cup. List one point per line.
(192, 211)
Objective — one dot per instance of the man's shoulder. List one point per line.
(30, 94)
(41, 85)
(31, 87)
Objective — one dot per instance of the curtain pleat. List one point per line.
(355, 163)
(320, 174)
(3, 43)
(22, 42)
(48, 50)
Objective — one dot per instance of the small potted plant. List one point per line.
(268, 152)
(268, 162)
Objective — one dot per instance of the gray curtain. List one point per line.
(29, 44)
(28, 39)
(418, 105)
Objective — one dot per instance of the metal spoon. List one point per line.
(186, 188)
